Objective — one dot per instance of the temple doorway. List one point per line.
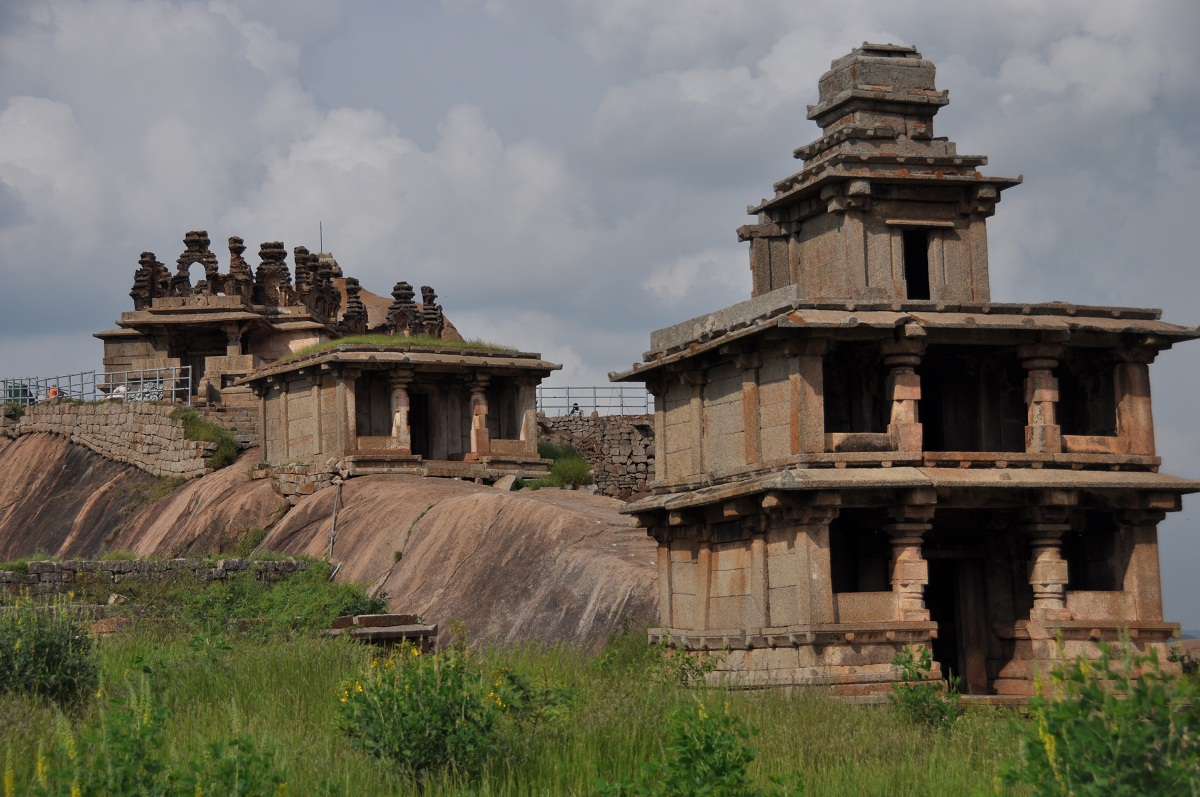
(956, 599)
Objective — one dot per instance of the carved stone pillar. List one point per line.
(527, 398)
(911, 521)
(695, 380)
(901, 358)
(1042, 434)
(807, 394)
(1135, 421)
(401, 430)
(347, 410)
(480, 438)
(1045, 527)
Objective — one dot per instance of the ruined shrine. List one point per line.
(869, 453)
(402, 394)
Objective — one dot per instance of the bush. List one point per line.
(122, 753)
(629, 655)
(1114, 727)
(197, 427)
(44, 652)
(918, 699)
(250, 539)
(425, 712)
(708, 754)
(571, 472)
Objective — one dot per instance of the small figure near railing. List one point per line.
(604, 400)
(146, 384)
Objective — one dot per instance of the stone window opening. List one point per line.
(373, 405)
(1096, 561)
(853, 382)
(1087, 396)
(972, 400)
(860, 552)
(915, 245)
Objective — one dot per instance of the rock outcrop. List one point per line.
(550, 565)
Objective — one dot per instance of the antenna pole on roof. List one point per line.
(321, 233)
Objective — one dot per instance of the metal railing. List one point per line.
(605, 400)
(146, 384)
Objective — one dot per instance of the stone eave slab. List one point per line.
(802, 479)
(825, 173)
(786, 308)
(428, 358)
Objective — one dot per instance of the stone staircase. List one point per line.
(242, 421)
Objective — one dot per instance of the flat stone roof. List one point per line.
(786, 308)
(382, 356)
(837, 479)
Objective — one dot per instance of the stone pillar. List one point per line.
(480, 439)
(665, 588)
(285, 443)
(808, 395)
(347, 410)
(401, 431)
(760, 588)
(1045, 526)
(233, 340)
(660, 432)
(1139, 533)
(1042, 434)
(527, 397)
(316, 382)
(901, 358)
(1135, 421)
(749, 363)
(911, 521)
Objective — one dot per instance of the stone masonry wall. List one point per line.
(141, 434)
(620, 448)
(55, 577)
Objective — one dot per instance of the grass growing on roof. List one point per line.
(197, 427)
(427, 341)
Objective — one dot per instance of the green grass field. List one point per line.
(283, 689)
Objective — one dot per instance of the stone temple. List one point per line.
(328, 370)
(870, 453)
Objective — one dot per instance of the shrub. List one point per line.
(44, 652)
(708, 754)
(197, 427)
(122, 753)
(629, 654)
(918, 699)
(571, 472)
(250, 539)
(425, 712)
(1114, 727)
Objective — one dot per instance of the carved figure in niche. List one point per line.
(150, 281)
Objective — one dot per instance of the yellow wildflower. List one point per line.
(43, 768)
(10, 780)
(76, 791)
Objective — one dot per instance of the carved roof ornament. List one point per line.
(150, 281)
(240, 281)
(196, 250)
(272, 281)
(354, 321)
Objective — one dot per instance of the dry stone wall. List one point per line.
(620, 448)
(141, 434)
(54, 577)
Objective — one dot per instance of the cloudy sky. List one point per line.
(569, 175)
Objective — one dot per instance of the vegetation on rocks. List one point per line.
(415, 341)
(197, 427)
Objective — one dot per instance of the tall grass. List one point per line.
(608, 719)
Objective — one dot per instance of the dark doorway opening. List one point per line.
(418, 423)
(955, 597)
(972, 399)
(916, 263)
